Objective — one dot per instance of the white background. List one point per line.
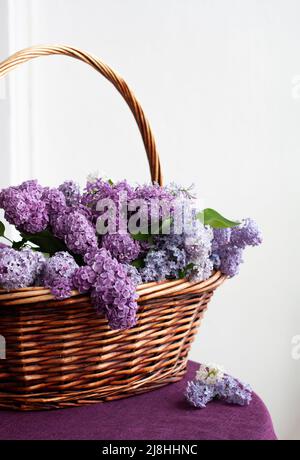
(218, 81)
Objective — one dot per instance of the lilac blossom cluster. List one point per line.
(19, 269)
(98, 189)
(186, 254)
(58, 274)
(103, 265)
(112, 287)
(25, 207)
(211, 384)
(228, 245)
(121, 246)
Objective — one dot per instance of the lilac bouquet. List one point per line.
(211, 383)
(111, 237)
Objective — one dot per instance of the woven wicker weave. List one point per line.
(61, 353)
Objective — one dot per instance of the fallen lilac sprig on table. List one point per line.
(212, 383)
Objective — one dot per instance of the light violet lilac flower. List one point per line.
(71, 192)
(199, 394)
(58, 274)
(231, 258)
(186, 253)
(246, 234)
(211, 383)
(19, 269)
(228, 245)
(233, 391)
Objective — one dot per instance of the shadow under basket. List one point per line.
(62, 353)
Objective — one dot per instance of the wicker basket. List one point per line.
(61, 353)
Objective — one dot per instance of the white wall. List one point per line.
(216, 80)
(4, 100)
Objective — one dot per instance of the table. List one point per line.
(162, 414)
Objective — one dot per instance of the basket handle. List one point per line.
(36, 51)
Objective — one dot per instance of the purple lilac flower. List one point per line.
(29, 205)
(216, 261)
(79, 233)
(133, 274)
(19, 269)
(246, 234)
(228, 245)
(90, 256)
(154, 191)
(157, 202)
(173, 253)
(199, 394)
(113, 291)
(71, 192)
(32, 187)
(61, 288)
(231, 258)
(54, 199)
(233, 391)
(58, 273)
(211, 382)
(163, 264)
(221, 237)
(84, 278)
(58, 223)
(165, 259)
(156, 266)
(121, 246)
(100, 189)
(122, 317)
(24, 208)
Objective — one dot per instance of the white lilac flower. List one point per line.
(197, 244)
(209, 373)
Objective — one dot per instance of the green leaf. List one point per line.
(214, 219)
(141, 236)
(18, 244)
(182, 273)
(2, 228)
(45, 241)
(138, 263)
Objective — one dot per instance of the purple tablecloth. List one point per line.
(161, 414)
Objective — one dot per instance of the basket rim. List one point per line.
(145, 291)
